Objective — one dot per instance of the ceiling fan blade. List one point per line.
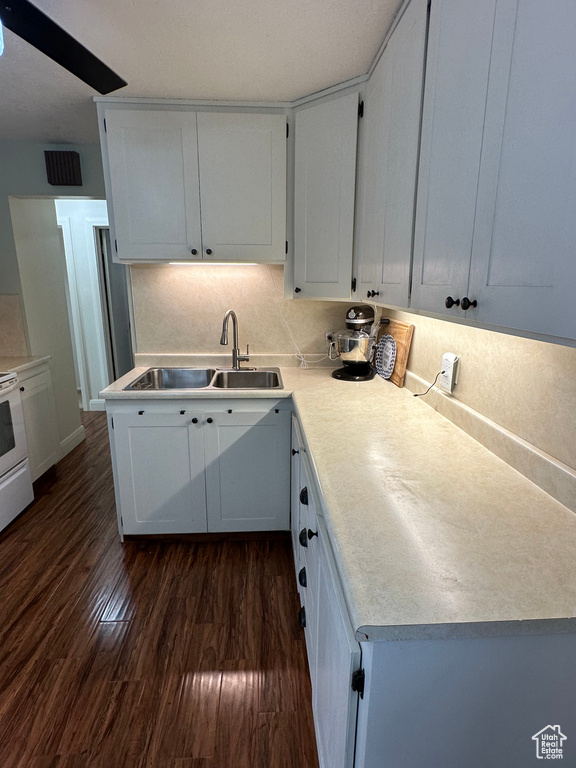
(32, 25)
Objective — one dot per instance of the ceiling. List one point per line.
(262, 50)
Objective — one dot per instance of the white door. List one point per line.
(403, 63)
(523, 262)
(338, 656)
(155, 204)
(160, 472)
(242, 161)
(457, 67)
(248, 470)
(325, 181)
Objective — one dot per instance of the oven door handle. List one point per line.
(8, 389)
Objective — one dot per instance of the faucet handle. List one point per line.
(246, 357)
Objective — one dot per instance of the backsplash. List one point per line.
(12, 334)
(526, 386)
(179, 310)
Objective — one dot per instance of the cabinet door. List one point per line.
(389, 161)
(160, 473)
(248, 471)
(309, 561)
(338, 655)
(243, 186)
(40, 423)
(523, 264)
(153, 160)
(325, 179)
(295, 491)
(457, 67)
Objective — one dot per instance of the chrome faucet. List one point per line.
(236, 357)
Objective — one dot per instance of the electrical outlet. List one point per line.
(448, 379)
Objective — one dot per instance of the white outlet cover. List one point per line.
(448, 379)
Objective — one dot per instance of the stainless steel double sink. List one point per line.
(206, 378)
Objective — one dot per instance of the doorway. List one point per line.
(72, 297)
(98, 298)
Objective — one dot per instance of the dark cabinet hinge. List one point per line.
(361, 109)
(286, 246)
(112, 420)
(302, 617)
(116, 245)
(105, 128)
(358, 679)
(287, 130)
(353, 283)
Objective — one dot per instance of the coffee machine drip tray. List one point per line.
(355, 372)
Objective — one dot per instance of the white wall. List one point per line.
(23, 172)
(78, 219)
(42, 267)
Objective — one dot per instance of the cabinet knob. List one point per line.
(182, 413)
(209, 251)
(371, 294)
(450, 302)
(193, 251)
(303, 538)
(294, 451)
(466, 303)
(297, 290)
(302, 616)
(304, 496)
(209, 420)
(140, 413)
(302, 578)
(312, 533)
(22, 389)
(194, 420)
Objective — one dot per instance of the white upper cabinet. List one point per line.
(154, 197)
(388, 164)
(457, 68)
(185, 186)
(325, 178)
(523, 271)
(495, 224)
(243, 186)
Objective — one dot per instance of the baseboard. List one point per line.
(97, 405)
(70, 442)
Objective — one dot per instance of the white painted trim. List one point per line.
(352, 83)
(112, 101)
(64, 222)
(70, 442)
(387, 37)
(98, 405)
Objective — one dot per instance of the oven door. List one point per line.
(12, 436)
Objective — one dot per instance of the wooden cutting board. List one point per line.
(402, 334)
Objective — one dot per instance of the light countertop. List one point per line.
(19, 364)
(433, 535)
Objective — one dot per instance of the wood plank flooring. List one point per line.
(151, 654)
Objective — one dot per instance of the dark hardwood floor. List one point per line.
(150, 654)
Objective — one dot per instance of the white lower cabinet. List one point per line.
(337, 657)
(190, 467)
(333, 652)
(39, 419)
(247, 471)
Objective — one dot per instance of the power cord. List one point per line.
(421, 394)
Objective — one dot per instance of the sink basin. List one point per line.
(248, 380)
(173, 378)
